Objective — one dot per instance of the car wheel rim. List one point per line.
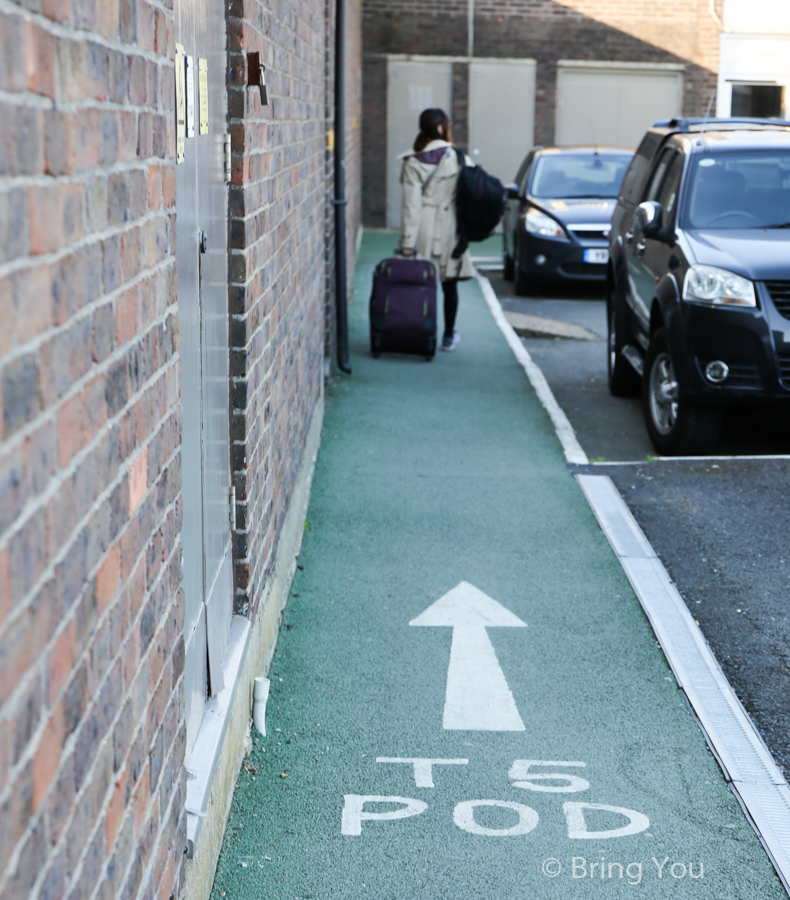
(663, 394)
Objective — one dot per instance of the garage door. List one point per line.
(501, 114)
(614, 104)
(411, 88)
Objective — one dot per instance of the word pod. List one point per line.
(525, 774)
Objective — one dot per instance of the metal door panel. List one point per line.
(191, 365)
(202, 304)
(613, 106)
(213, 206)
(411, 88)
(195, 676)
(501, 114)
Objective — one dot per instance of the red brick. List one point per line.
(116, 809)
(60, 661)
(107, 579)
(169, 187)
(5, 586)
(126, 316)
(138, 480)
(40, 57)
(71, 428)
(47, 757)
(46, 218)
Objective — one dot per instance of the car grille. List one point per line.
(590, 234)
(780, 294)
(591, 269)
(743, 374)
(784, 368)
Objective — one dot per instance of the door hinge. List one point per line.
(232, 510)
(227, 158)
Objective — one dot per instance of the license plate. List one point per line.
(596, 256)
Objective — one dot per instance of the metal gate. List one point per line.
(201, 231)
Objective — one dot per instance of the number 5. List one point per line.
(523, 778)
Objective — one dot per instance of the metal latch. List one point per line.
(202, 241)
(233, 508)
(256, 76)
(227, 158)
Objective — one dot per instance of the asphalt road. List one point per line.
(720, 525)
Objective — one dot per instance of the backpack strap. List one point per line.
(430, 177)
(463, 243)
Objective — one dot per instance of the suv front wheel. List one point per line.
(676, 427)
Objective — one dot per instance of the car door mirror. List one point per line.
(648, 217)
(512, 191)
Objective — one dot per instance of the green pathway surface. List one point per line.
(431, 475)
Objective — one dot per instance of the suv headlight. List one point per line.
(542, 225)
(711, 286)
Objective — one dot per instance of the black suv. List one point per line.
(698, 282)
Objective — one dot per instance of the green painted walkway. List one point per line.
(429, 475)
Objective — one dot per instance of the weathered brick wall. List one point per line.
(619, 30)
(278, 203)
(91, 654)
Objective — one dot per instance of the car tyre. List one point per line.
(624, 381)
(676, 426)
(508, 265)
(522, 283)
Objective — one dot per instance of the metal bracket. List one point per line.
(256, 76)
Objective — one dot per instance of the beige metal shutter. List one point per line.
(501, 114)
(412, 86)
(614, 103)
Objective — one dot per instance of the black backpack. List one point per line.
(479, 203)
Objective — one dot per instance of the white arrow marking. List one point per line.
(477, 698)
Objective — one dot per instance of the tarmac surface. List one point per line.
(406, 738)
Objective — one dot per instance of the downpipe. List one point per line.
(340, 202)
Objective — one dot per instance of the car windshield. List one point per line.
(745, 189)
(568, 175)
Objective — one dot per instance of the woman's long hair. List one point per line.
(431, 120)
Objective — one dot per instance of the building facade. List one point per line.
(513, 73)
(166, 326)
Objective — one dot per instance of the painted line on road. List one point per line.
(748, 766)
(642, 462)
(571, 447)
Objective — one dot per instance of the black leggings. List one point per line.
(450, 289)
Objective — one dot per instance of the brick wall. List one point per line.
(619, 30)
(278, 265)
(91, 654)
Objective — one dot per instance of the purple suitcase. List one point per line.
(403, 307)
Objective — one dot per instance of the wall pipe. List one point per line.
(341, 297)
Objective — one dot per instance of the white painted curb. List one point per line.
(571, 447)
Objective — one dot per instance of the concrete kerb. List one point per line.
(200, 870)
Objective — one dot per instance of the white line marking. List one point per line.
(746, 762)
(577, 827)
(423, 768)
(464, 817)
(642, 462)
(571, 447)
(354, 811)
(478, 697)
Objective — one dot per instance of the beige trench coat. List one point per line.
(428, 221)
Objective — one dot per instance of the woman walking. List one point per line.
(428, 222)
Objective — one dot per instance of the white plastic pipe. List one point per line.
(260, 694)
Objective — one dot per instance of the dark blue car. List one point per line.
(558, 215)
(699, 276)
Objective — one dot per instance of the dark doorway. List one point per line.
(759, 101)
